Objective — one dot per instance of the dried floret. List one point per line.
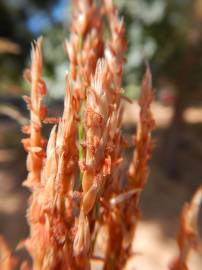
(7, 260)
(37, 114)
(188, 231)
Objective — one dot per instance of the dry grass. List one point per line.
(76, 178)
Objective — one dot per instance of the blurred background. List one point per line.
(168, 34)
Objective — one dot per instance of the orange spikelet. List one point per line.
(82, 239)
(24, 266)
(85, 45)
(37, 114)
(116, 47)
(188, 231)
(51, 211)
(97, 105)
(7, 261)
(138, 168)
(66, 146)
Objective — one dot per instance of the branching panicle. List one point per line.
(76, 179)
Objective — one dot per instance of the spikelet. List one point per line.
(7, 261)
(102, 119)
(84, 48)
(188, 231)
(24, 266)
(34, 145)
(82, 238)
(96, 128)
(85, 45)
(51, 211)
(117, 45)
(66, 146)
(115, 57)
(96, 117)
(124, 205)
(138, 170)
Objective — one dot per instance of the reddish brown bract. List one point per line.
(188, 231)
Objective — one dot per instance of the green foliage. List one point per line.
(159, 32)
